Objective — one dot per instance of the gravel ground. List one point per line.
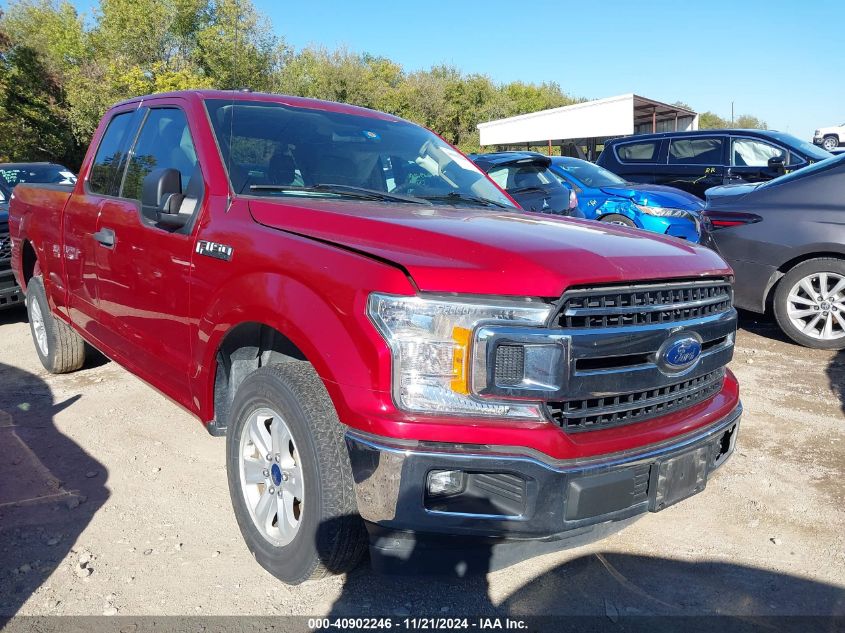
(114, 501)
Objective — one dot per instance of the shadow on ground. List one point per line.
(50, 488)
(607, 585)
(836, 376)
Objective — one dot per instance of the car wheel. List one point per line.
(830, 142)
(59, 348)
(809, 303)
(618, 218)
(289, 475)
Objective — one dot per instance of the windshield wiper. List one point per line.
(345, 190)
(456, 196)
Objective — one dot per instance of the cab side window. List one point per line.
(104, 177)
(696, 151)
(164, 143)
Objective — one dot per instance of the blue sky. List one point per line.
(771, 58)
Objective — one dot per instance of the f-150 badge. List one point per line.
(213, 249)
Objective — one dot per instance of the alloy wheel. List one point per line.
(38, 327)
(816, 305)
(271, 476)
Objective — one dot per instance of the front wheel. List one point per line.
(618, 218)
(830, 142)
(289, 475)
(809, 303)
(59, 348)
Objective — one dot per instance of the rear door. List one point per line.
(80, 247)
(749, 160)
(143, 266)
(695, 163)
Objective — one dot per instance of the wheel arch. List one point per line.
(788, 265)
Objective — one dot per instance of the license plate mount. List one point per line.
(679, 477)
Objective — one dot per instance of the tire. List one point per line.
(618, 218)
(59, 348)
(329, 536)
(830, 142)
(795, 305)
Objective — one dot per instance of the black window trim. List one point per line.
(144, 108)
(759, 139)
(86, 188)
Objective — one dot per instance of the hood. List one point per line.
(731, 191)
(448, 249)
(656, 196)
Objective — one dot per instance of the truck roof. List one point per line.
(248, 95)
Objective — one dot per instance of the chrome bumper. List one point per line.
(527, 497)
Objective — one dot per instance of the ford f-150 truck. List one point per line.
(398, 356)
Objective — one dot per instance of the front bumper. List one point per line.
(818, 140)
(10, 293)
(509, 495)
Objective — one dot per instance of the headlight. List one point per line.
(665, 212)
(430, 340)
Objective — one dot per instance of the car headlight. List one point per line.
(430, 340)
(664, 212)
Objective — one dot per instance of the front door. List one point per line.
(144, 272)
(80, 246)
(749, 160)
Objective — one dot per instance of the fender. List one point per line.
(324, 318)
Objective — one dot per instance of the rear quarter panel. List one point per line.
(35, 217)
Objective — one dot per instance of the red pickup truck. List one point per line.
(398, 356)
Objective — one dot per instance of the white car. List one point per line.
(830, 137)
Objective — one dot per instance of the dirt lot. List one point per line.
(113, 500)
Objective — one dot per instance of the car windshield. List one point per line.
(271, 149)
(810, 150)
(810, 170)
(587, 173)
(51, 174)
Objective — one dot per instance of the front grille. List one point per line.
(626, 408)
(645, 304)
(5, 247)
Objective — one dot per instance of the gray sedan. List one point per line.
(785, 240)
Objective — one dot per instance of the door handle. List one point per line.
(105, 237)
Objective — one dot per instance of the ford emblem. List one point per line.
(679, 353)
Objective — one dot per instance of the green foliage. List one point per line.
(710, 121)
(60, 71)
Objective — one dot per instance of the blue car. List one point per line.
(604, 196)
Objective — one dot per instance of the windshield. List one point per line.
(810, 150)
(588, 174)
(815, 168)
(271, 149)
(50, 174)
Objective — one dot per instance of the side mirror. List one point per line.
(161, 197)
(776, 164)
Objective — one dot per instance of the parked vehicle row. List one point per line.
(785, 240)
(398, 356)
(696, 161)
